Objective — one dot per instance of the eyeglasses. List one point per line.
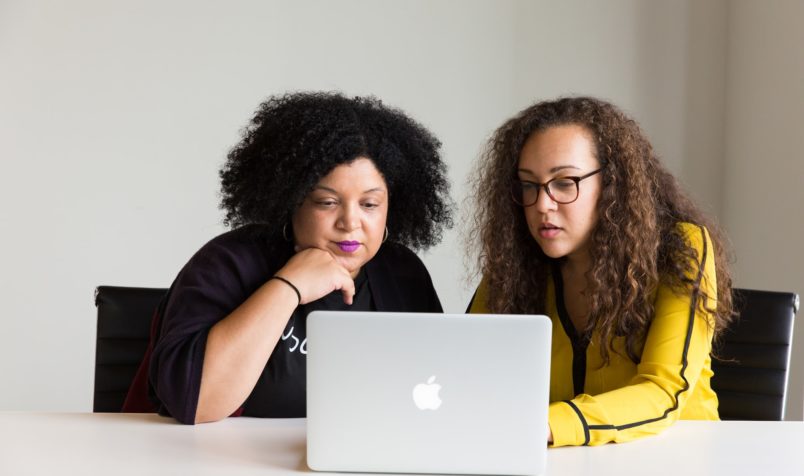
(561, 190)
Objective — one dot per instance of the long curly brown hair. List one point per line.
(635, 244)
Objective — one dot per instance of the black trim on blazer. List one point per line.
(693, 305)
(472, 301)
(586, 426)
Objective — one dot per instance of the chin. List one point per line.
(353, 263)
(554, 252)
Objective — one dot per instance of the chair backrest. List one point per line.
(753, 359)
(124, 320)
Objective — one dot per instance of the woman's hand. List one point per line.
(316, 273)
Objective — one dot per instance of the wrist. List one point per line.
(289, 284)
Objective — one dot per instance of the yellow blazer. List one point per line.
(624, 400)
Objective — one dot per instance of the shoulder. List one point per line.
(701, 266)
(239, 254)
(246, 238)
(401, 281)
(399, 257)
(221, 275)
(242, 244)
(696, 238)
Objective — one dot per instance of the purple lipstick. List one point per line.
(348, 246)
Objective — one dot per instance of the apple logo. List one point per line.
(425, 395)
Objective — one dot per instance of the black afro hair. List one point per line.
(296, 139)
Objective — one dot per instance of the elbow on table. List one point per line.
(209, 411)
(208, 416)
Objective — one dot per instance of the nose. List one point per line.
(349, 218)
(544, 202)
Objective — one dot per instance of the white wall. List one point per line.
(763, 193)
(116, 116)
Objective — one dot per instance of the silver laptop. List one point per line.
(427, 393)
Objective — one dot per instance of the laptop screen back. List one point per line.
(427, 393)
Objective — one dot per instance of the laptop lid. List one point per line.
(427, 393)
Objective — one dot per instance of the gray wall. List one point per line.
(116, 116)
(763, 194)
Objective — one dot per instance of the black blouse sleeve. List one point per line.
(216, 280)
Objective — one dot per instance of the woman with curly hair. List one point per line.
(319, 193)
(577, 218)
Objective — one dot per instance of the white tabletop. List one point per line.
(87, 444)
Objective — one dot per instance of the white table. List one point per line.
(147, 445)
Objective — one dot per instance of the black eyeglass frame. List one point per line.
(516, 189)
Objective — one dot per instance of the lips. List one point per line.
(348, 246)
(548, 230)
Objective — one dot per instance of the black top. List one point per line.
(280, 391)
(579, 341)
(221, 276)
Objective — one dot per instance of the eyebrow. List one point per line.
(553, 170)
(332, 190)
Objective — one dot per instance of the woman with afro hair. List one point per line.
(577, 219)
(327, 196)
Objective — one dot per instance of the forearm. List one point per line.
(620, 415)
(238, 347)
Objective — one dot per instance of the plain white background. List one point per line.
(116, 116)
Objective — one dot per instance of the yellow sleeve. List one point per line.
(676, 350)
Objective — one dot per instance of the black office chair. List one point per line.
(124, 321)
(753, 360)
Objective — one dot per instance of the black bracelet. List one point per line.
(295, 289)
